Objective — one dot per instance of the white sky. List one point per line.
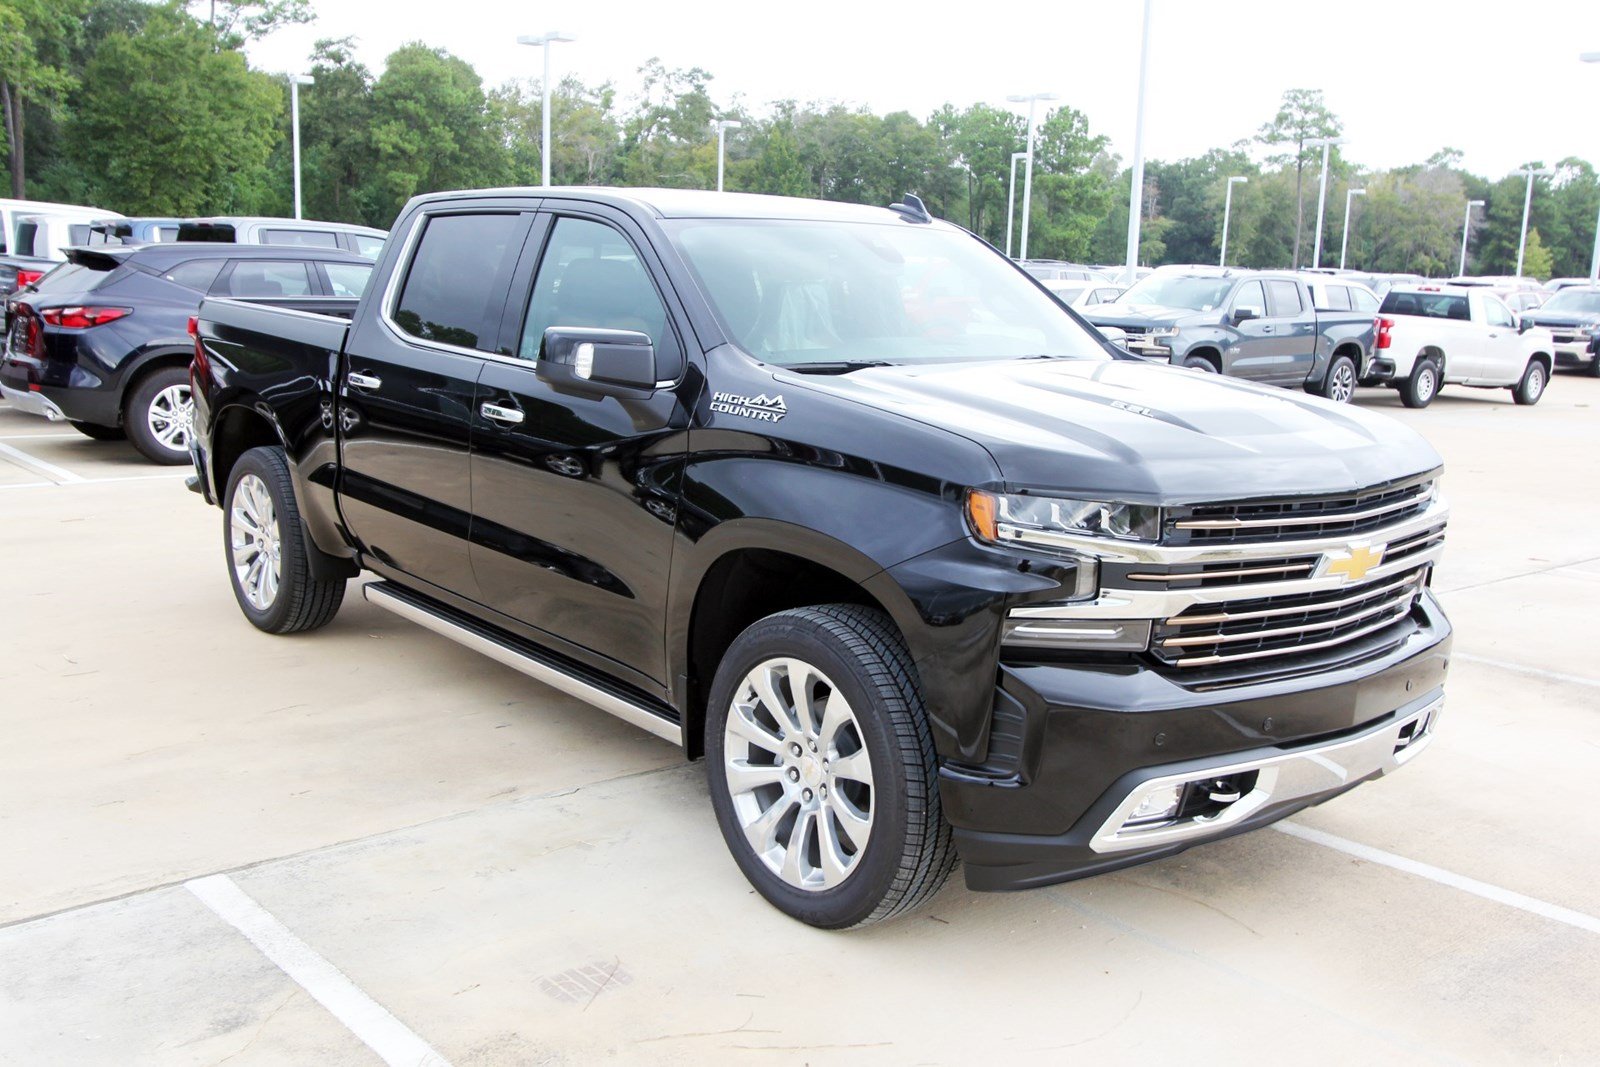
(1499, 81)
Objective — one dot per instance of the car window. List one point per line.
(455, 284)
(591, 276)
(27, 232)
(1334, 297)
(1283, 298)
(166, 233)
(1251, 295)
(1361, 300)
(1498, 314)
(195, 273)
(367, 246)
(1427, 305)
(300, 238)
(278, 277)
(348, 279)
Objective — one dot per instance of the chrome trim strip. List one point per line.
(1294, 650)
(1285, 777)
(1307, 567)
(1305, 628)
(627, 711)
(1225, 617)
(1300, 520)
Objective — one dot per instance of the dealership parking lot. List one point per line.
(221, 845)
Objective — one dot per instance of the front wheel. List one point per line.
(1531, 387)
(1200, 363)
(266, 551)
(822, 770)
(160, 416)
(1419, 390)
(96, 432)
(1340, 383)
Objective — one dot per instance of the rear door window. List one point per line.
(456, 283)
(1283, 299)
(269, 278)
(300, 238)
(195, 273)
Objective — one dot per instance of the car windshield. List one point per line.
(806, 292)
(1581, 301)
(1175, 291)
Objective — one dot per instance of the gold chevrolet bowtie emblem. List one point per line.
(1354, 562)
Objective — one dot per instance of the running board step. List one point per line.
(572, 679)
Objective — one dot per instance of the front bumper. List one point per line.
(32, 402)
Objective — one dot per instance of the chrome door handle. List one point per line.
(496, 413)
(363, 381)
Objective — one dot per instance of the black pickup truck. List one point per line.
(840, 500)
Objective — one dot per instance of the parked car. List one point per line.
(1052, 270)
(103, 343)
(132, 231)
(1572, 315)
(1080, 294)
(1522, 300)
(300, 233)
(1430, 336)
(916, 584)
(1340, 294)
(1262, 326)
(1555, 284)
(33, 234)
(1507, 282)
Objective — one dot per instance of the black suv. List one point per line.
(103, 341)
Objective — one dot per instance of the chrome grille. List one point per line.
(1299, 518)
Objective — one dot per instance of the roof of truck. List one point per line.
(692, 203)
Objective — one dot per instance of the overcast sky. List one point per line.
(1501, 82)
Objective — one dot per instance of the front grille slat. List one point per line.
(1297, 518)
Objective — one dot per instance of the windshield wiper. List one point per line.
(842, 366)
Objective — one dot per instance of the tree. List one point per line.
(238, 22)
(35, 39)
(1302, 116)
(1536, 262)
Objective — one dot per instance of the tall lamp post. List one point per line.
(1594, 262)
(1227, 211)
(545, 40)
(1344, 245)
(1325, 143)
(1527, 203)
(723, 126)
(1136, 194)
(1032, 100)
(1466, 224)
(295, 81)
(1011, 198)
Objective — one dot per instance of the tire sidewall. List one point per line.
(1414, 394)
(136, 419)
(1525, 390)
(272, 469)
(1333, 370)
(856, 899)
(1201, 364)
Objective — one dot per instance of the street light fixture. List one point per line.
(295, 81)
(1032, 100)
(1465, 223)
(1344, 245)
(1011, 198)
(1594, 262)
(1326, 143)
(1136, 195)
(1527, 203)
(545, 40)
(1227, 210)
(723, 126)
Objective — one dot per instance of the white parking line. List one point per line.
(1537, 672)
(365, 1017)
(98, 481)
(1509, 898)
(42, 437)
(38, 466)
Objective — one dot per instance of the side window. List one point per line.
(1361, 300)
(1338, 298)
(367, 246)
(347, 279)
(165, 233)
(591, 276)
(1251, 295)
(1283, 299)
(26, 233)
(1499, 314)
(456, 282)
(300, 238)
(195, 274)
(282, 277)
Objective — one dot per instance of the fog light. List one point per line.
(1160, 803)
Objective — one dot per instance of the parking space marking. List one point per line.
(1538, 672)
(364, 1017)
(42, 437)
(38, 466)
(98, 481)
(1510, 898)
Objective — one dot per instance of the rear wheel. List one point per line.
(97, 432)
(160, 415)
(1531, 387)
(1339, 385)
(1419, 390)
(266, 551)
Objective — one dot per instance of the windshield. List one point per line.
(797, 292)
(1177, 291)
(1581, 301)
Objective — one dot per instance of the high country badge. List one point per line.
(763, 408)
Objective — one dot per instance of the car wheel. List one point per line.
(97, 432)
(1419, 390)
(1531, 387)
(266, 551)
(1339, 385)
(822, 770)
(1200, 363)
(160, 415)
(1594, 365)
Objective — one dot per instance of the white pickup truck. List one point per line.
(1432, 335)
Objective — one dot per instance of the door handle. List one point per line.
(1266, 329)
(497, 413)
(363, 381)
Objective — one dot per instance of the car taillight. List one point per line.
(81, 318)
(27, 338)
(1383, 326)
(27, 277)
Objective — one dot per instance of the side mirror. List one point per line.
(1245, 314)
(595, 362)
(1523, 325)
(1115, 335)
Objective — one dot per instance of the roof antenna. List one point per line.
(912, 210)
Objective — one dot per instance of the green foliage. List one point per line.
(36, 38)
(1536, 260)
(238, 22)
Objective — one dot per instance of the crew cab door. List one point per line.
(573, 487)
(1499, 355)
(406, 389)
(1255, 347)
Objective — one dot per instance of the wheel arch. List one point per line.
(1207, 351)
(145, 365)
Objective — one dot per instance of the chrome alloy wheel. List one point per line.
(171, 417)
(253, 537)
(799, 773)
(1344, 384)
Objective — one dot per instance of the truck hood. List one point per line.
(1144, 316)
(1129, 430)
(1560, 318)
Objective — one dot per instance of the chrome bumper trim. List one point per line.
(32, 403)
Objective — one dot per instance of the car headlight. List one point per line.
(1163, 331)
(1057, 521)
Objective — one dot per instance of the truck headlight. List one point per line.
(1162, 333)
(1056, 521)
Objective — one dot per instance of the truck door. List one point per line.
(410, 371)
(574, 499)
(1255, 338)
(1499, 357)
(1294, 326)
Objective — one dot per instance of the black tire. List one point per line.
(1534, 381)
(136, 417)
(300, 601)
(1339, 384)
(1594, 363)
(909, 852)
(1419, 390)
(1200, 363)
(95, 431)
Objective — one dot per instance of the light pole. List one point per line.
(1594, 262)
(545, 40)
(1466, 222)
(1344, 245)
(1527, 203)
(295, 81)
(1032, 100)
(1227, 210)
(1011, 198)
(723, 126)
(1326, 144)
(1136, 195)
